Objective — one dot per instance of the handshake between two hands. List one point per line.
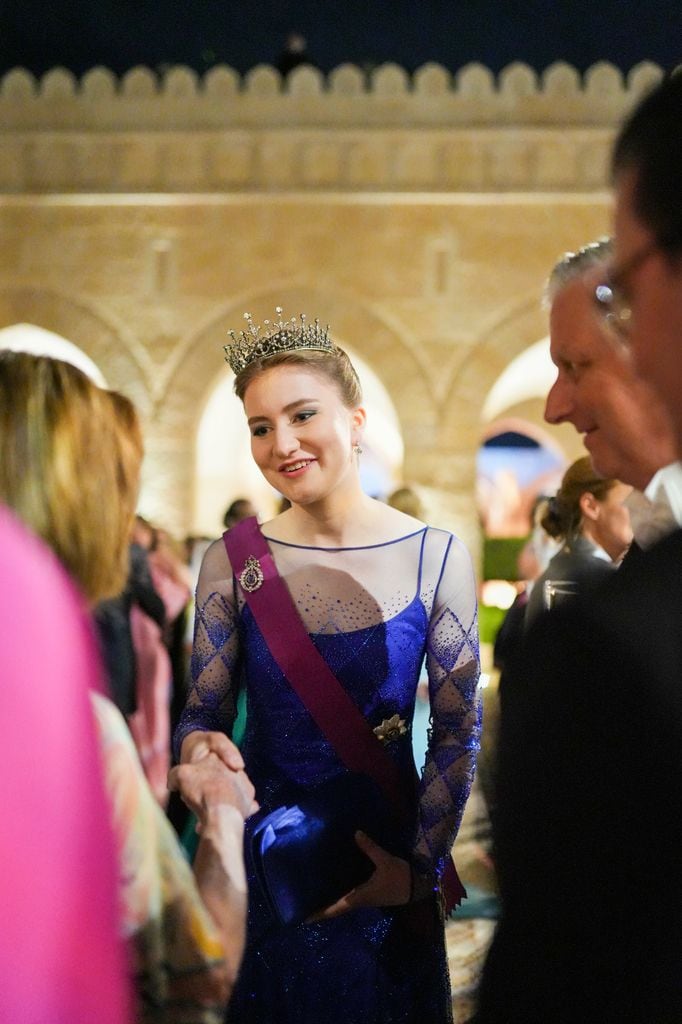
(213, 774)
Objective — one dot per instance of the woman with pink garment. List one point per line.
(150, 723)
(58, 878)
(70, 457)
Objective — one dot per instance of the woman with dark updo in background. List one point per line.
(589, 516)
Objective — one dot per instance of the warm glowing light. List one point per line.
(498, 593)
(530, 375)
(39, 342)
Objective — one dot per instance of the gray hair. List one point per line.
(573, 265)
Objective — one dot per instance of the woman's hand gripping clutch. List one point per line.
(389, 885)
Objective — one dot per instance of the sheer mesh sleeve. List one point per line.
(211, 703)
(453, 669)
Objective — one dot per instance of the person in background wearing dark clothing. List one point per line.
(588, 515)
(531, 563)
(241, 508)
(113, 625)
(589, 829)
(112, 617)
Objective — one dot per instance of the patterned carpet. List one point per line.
(468, 936)
(467, 945)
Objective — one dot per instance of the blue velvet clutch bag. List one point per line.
(304, 853)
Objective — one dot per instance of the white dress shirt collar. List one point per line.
(658, 511)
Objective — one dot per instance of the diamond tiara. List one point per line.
(275, 337)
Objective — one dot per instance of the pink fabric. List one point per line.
(61, 961)
(173, 591)
(150, 723)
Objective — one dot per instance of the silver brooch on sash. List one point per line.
(251, 577)
(390, 729)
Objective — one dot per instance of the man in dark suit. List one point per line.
(589, 823)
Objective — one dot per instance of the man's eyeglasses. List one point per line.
(611, 296)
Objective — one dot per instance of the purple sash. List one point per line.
(308, 674)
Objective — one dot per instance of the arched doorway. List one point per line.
(520, 458)
(40, 342)
(182, 400)
(515, 464)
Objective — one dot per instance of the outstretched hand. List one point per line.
(207, 783)
(388, 886)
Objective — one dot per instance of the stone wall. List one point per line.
(389, 131)
(418, 215)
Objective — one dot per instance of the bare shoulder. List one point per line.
(394, 524)
(367, 522)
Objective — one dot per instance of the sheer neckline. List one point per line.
(359, 547)
(416, 601)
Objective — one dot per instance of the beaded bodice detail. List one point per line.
(374, 613)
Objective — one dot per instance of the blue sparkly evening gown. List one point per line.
(372, 612)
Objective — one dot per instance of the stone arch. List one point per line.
(101, 340)
(515, 424)
(491, 354)
(38, 341)
(450, 460)
(383, 344)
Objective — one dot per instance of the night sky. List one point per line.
(79, 34)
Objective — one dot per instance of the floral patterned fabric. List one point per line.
(177, 953)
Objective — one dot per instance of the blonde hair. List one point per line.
(130, 450)
(336, 367)
(70, 455)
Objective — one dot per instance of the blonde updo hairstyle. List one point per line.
(70, 455)
(335, 367)
(563, 515)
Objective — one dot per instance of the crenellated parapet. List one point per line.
(598, 93)
(349, 130)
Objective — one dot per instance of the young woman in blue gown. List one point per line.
(377, 591)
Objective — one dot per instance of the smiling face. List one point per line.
(597, 391)
(302, 433)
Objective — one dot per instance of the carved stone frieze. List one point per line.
(417, 214)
